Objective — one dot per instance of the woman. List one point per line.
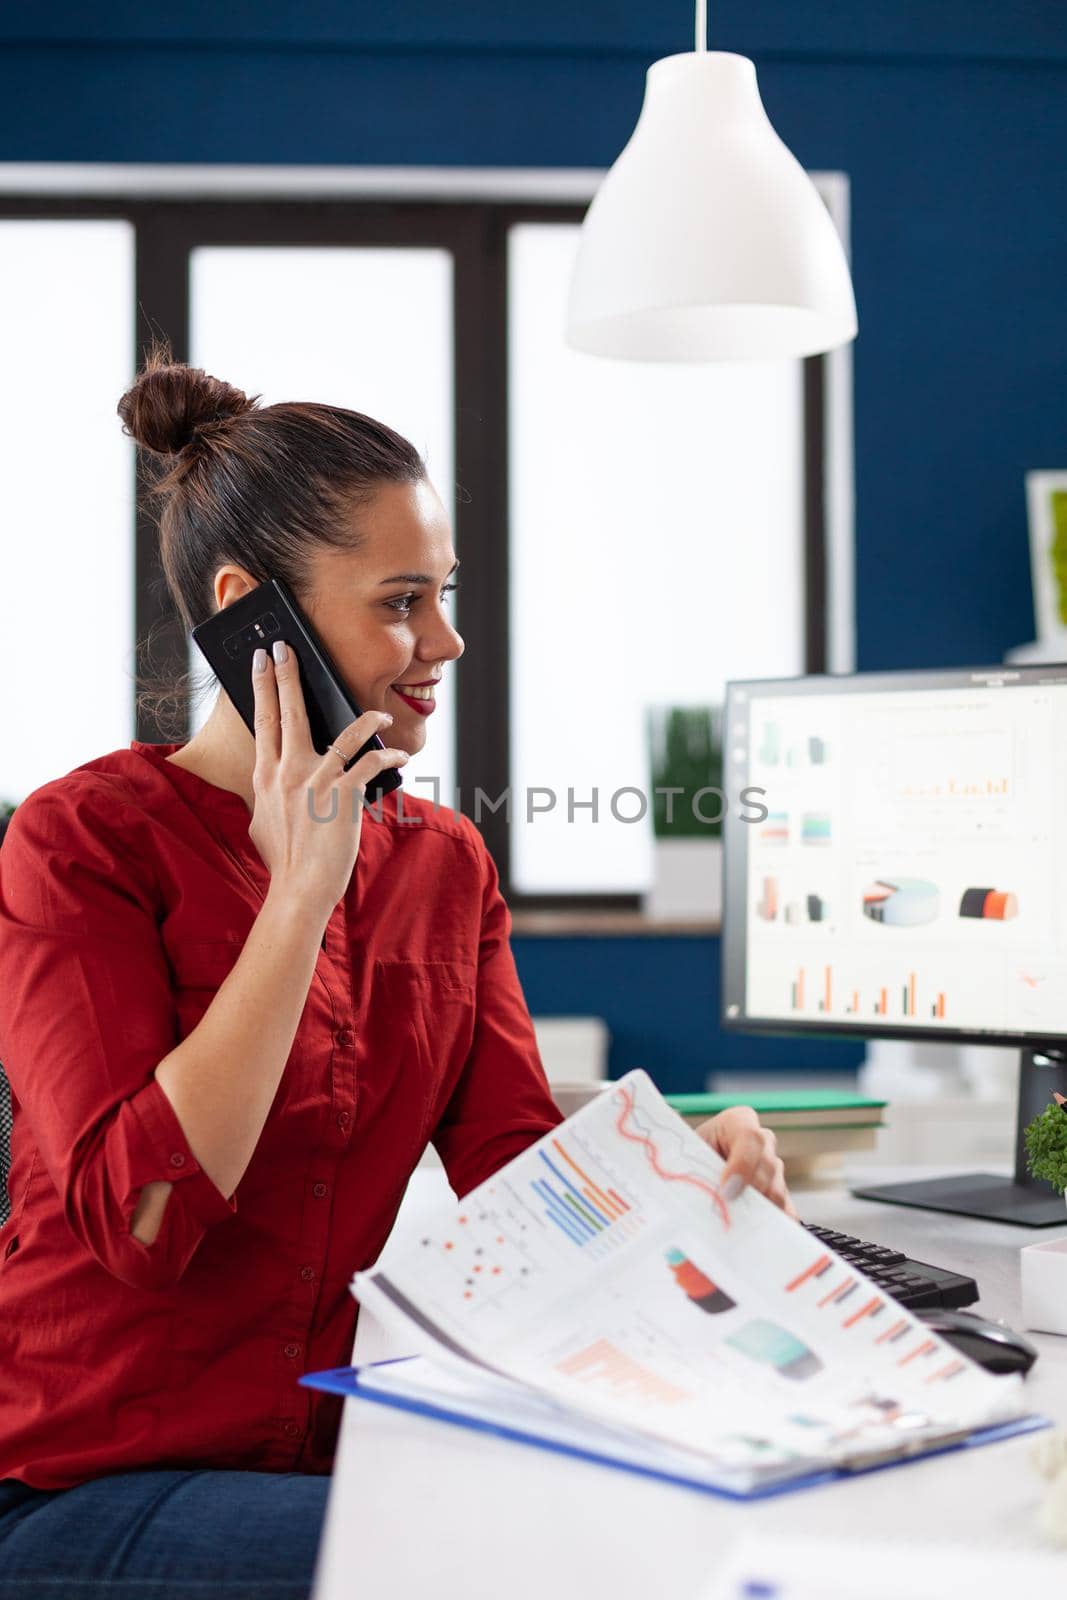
(231, 1027)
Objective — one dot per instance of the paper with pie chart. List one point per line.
(603, 1269)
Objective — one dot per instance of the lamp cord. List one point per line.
(702, 26)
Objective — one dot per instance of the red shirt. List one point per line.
(127, 889)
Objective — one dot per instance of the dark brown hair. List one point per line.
(261, 486)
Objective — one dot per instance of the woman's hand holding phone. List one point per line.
(309, 849)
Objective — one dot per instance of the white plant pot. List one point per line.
(687, 886)
(1043, 1280)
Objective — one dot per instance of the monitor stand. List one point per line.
(1028, 1202)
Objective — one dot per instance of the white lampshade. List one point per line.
(707, 240)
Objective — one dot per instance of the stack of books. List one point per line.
(814, 1127)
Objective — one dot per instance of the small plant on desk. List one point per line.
(1046, 1146)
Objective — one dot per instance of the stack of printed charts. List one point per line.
(598, 1296)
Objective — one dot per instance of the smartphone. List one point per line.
(229, 639)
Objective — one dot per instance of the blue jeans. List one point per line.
(163, 1535)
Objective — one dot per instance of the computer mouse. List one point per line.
(991, 1344)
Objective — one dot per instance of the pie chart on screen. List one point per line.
(901, 902)
(992, 905)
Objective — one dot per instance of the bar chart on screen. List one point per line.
(905, 996)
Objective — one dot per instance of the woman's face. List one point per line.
(383, 610)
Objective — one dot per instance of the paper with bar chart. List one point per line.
(915, 874)
(602, 1270)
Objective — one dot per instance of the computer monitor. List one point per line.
(896, 867)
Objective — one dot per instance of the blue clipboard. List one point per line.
(345, 1381)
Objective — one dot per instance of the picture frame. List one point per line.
(1046, 501)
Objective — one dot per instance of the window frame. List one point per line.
(474, 228)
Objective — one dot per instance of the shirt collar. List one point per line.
(196, 790)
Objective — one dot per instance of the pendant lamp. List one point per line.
(707, 240)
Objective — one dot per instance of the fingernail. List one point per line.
(387, 719)
(259, 661)
(279, 651)
(733, 1186)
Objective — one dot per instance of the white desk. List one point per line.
(419, 1507)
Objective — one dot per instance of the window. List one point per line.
(370, 329)
(628, 536)
(657, 549)
(67, 496)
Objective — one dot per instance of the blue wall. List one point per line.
(951, 121)
(660, 998)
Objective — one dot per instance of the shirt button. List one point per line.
(292, 1351)
(293, 1430)
(343, 1119)
(344, 1036)
(177, 1159)
(307, 1273)
(318, 1190)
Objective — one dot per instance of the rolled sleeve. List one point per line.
(502, 1102)
(155, 1147)
(86, 1014)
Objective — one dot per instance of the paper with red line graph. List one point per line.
(603, 1269)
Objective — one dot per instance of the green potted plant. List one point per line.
(687, 804)
(1046, 1146)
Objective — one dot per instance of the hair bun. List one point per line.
(171, 403)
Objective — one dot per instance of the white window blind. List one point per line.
(366, 328)
(67, 497)
(657, 525)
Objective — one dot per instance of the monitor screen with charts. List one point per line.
(898, 864)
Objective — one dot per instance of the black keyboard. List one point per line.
(914, 1283)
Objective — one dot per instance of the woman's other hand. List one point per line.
(751, 1155)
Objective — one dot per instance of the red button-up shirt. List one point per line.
(127, 889)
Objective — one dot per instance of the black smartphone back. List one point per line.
(229, 639)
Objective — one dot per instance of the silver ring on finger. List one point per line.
(340, 753)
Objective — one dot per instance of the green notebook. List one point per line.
(771, 1100)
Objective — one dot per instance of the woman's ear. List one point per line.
(231, 582)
